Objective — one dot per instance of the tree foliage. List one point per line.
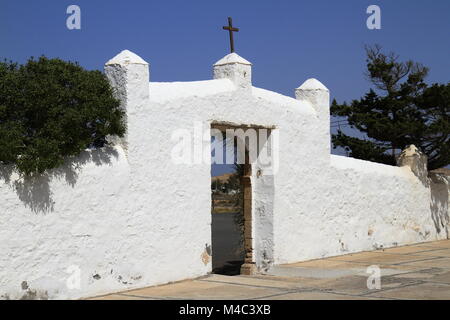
(401, 110)
(51, 109)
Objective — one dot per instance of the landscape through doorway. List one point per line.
(227, 210)
(236, 248)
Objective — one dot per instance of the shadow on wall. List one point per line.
(439, 188)
(35, 192)
(437, 182)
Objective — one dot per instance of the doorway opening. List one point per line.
(231, 196)
(242, 227)
(227, 210)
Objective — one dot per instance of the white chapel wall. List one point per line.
(130, 217)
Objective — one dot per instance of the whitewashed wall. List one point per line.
(353, 206)
(130, 217)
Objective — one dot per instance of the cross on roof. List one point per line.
(231, 30)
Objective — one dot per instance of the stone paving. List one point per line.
(420, 271)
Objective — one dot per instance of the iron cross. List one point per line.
(231, 30)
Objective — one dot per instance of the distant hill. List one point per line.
(222, 178)
(444, 171)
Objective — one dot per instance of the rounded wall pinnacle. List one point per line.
(126, 57)
(232, 58)
(312, 84)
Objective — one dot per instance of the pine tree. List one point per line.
(401, 110)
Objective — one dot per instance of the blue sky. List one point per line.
(287, 41)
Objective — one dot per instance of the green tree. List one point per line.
(401, 110)
(51, 109)
(234, 181)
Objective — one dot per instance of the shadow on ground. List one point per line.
(230, 268)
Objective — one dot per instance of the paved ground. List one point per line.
(419, 271)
